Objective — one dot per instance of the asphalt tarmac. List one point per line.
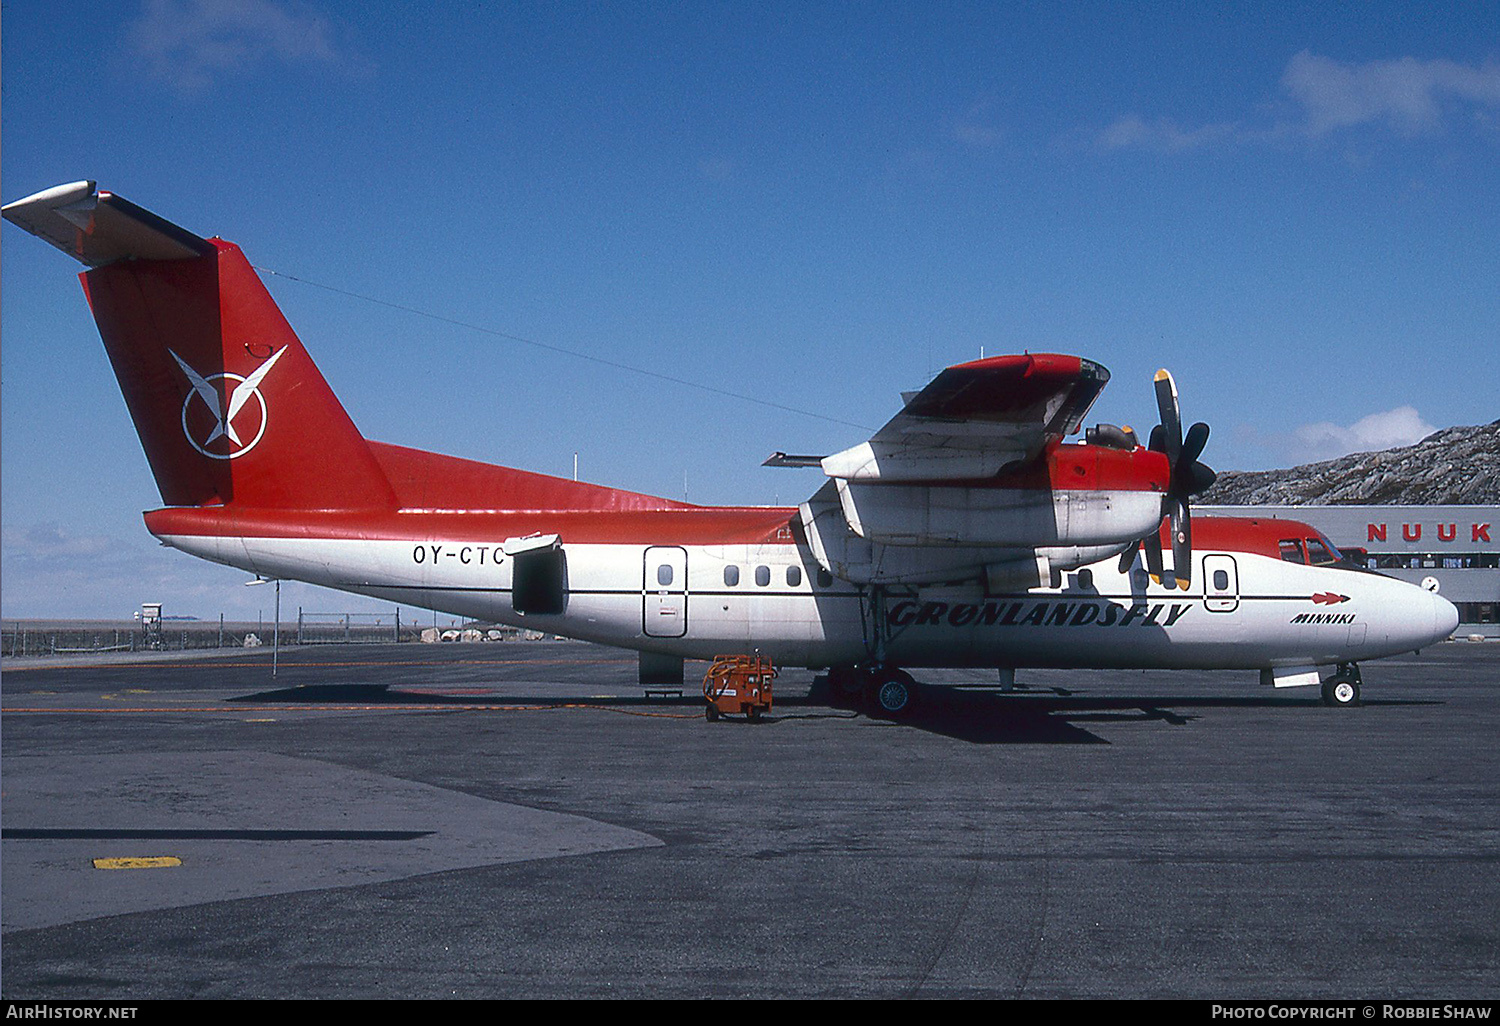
(518, 820)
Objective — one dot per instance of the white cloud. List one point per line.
(1326, 440)
(1409, 95)
(188, 43)
(1162, 134)
(50, 542)
(976, 126)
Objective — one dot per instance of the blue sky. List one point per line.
(1294, 207)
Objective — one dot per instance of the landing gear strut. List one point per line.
(1342, 689)
(886, 691)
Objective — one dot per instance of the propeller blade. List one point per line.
(1182, 545)
(1171, 419)
(1127, 558)
(1197, 438)
(1198, 478)
(1152, 544)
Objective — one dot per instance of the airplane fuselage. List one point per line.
(701, 582)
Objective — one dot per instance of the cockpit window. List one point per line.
(1291, 550)
(1321, 552)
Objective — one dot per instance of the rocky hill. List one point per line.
(1459, 465)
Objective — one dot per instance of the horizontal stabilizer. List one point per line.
(100, 228)
(781, 459)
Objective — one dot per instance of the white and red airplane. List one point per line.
(964, 533)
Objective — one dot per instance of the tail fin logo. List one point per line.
(209, 425)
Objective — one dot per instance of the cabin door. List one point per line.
(1221, 584)
(664, 592)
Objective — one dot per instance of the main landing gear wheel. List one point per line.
(893, 693)
(1342, 689)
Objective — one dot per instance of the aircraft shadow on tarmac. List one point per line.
(1025, 716)
(1055, 715)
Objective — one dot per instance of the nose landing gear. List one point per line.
(1342, 689)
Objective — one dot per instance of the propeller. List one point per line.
(1188, 478)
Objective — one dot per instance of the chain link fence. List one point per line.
(29, 638)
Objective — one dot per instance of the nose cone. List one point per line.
(1444, 617)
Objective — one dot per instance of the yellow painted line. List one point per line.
(261, 719)
(139, 862)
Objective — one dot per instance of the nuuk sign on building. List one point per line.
(1413, 532)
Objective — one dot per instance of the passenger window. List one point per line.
(793, 576)
(1291, 550)
(1318, 554)
(664, 574)
(732, 575)
(825, 579)
(1221, 580)
(762, 575)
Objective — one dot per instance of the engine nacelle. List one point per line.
(945, 515)
(862, 560)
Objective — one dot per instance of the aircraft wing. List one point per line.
(974, 419)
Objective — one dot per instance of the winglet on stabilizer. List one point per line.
(100, 228)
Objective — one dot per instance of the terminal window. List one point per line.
(1478, 612)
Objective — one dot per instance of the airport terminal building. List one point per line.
(1459, 546)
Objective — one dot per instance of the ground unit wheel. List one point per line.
(710, 713)
(1341, 691)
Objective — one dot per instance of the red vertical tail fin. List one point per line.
(228, 405)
